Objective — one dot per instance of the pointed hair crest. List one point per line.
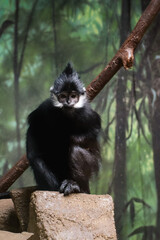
(68, 81)
(68, 70)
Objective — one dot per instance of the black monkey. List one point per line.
(62, 144)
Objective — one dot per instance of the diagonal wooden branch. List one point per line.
(13, 174)
(124, 57)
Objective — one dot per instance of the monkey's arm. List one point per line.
(44, 177)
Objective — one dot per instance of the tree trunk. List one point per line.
(153, 75)
(155, 121)
(26, 36)
(16, 78)
(55, 36)
(156, 155)
(17, 66)
(119, 183)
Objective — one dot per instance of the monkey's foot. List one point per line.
(69, 186)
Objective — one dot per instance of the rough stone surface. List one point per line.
(15, 236)
(76, 217)
(8, 217)
(21, 200)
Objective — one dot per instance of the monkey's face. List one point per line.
(68, 91)
(69, 100)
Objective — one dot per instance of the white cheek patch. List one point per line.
(56, 103)
(82, 101)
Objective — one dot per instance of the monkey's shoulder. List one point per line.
(43, 112)
(88, 117)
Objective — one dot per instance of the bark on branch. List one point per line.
(13, 174)
(124, 57)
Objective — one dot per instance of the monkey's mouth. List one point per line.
(68, 108)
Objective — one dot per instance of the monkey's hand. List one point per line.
(69, 186)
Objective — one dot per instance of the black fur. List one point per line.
(62, 146)
(68, 80)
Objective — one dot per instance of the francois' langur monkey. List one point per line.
(62, 137)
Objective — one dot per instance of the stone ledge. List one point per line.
(75, 217)
(21, 200)
(8, 216)
(15, 236)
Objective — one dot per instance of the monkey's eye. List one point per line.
(73, 96)
(62, 97)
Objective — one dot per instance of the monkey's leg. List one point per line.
(80, 172)
(45, 179)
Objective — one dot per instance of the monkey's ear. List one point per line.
(84, 91)
(69, 69)
(51, 89)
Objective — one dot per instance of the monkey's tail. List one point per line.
(5, 195)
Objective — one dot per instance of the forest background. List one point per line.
(37, 39)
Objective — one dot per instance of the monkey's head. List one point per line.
(68, 91)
